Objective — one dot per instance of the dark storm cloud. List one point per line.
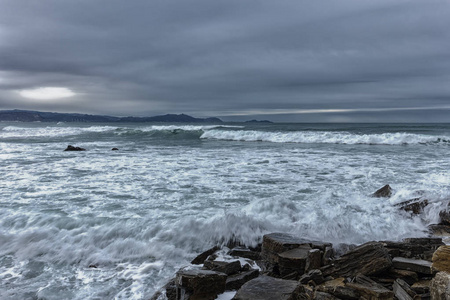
(231, 58)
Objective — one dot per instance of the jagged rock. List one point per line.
(441, 259)
(294, 260)
(314, 259)
(275, 243)
(445, 217)
(409, 277)
(269, 288)
(314, 275)
(385, 191)
(199, 284)
(245, 253)
(200, 259)
(369, 289)
(72, 148)
(327, 256)
(403, 291)
(415, 206)
(440, 286)
(228, 268)
(234, 282)
(368, 259)
(420, 248)
(338, 288)
(421, 287)
(415, 265)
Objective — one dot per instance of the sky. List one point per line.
(284, 61)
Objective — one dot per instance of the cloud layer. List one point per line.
(287, 60)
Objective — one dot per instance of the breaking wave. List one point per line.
(325, 137)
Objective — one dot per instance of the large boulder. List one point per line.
(368, 259)
(275, 243)
(441, 259)
(269, 288)
(199, 284)
(440, 286)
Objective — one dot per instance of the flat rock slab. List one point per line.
(227, 267)
(234, 282)
(368, 259)
(294, 260)
(275, 243)
(200, 284)
(269, 288)
(245, 253)
(415, 265)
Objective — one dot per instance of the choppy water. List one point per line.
(171, 191)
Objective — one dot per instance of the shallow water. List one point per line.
(171, 191)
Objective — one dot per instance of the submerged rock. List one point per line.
(414, 206)
(384, 192)
(72, 148)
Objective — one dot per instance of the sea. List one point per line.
(103, 224)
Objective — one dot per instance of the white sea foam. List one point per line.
(186, 127)
(325, 137)
(50, 131)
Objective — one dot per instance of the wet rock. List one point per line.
(115, 149)
(314, 260)
(403, 291)
(384, 192)
(440, 286)
(269, 288)
(228, 268)
(72, 148)
(314, 275)
(199, 284)
(441, 259)
(369, 289)
(234, 282)
(337, 287)
(439, 230)
(414, 206)
(368, 259)
(169, 290)
(294, 260)
(327, 256)
(415, 265)
(445, 217)
(324, 296)
(275, 243)
(245, 253)
(200, 259)
(420, 248)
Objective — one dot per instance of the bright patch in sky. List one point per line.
(47, 93)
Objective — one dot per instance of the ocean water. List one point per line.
(174, 190)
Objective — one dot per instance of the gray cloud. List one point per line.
(228, 58)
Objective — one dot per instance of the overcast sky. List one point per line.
(303, 60)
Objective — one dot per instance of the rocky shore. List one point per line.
(288, 267)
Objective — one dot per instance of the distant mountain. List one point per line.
(37, 116)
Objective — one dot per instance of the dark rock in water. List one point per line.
(115, 149)
(169, 289)
(420, 248)
(414, 206)
(415, 265)
(234, 282)
(445, 217)
(72, 148)
(228, 268)
(200, 259)
(368, 259)
(337, 287)
(269, 288)
(369, 289)
(384, 192)
(245, 253)
(92, 266)
(440, 286)
(199, 284)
